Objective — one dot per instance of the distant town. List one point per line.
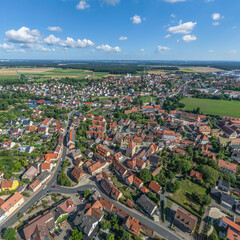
(145, 155)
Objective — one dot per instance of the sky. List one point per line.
(120, 29)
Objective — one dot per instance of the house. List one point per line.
(11, 205)
(136, 163)
(168, 135)
(147, 204)
(43, 177)
(76, 154)
(195, 175)
(206, 130)
(35, 185)
(31, 173)
(227, 201)
(97, 167)
(137, 182)
(116, 193)
(232, 229)
(9, 185)
(46, 167)
(132, 225)
(227, 166)
(155, 187)
(78, 174)
(185, 220)
(223, 185)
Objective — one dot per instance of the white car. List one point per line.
(44, 186)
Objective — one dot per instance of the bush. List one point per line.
(9, 234)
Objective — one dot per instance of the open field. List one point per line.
(157, 72)
(188, 187)
(213, 107)
(49, 73)
(200, 69)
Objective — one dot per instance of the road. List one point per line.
(162, 230)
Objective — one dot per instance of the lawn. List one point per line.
(145, 99)
(188, 187)
(213, 107)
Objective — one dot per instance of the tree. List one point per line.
(106, 225)
(123, 235)
(9, 234)
(210, 175)
(145, 175)
(76, 234)
(110, 236)
(64, 180)
(86, 193)
(173, 187)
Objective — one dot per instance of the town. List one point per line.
(121, 157)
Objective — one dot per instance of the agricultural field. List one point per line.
(40, 74)
(200, 69)
(188, 187)
(213, 107)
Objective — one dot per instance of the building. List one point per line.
(185, 220)
(10, 205)
(232, 229)
(132, 225)
(31, 173)
(155, 187)
(78, 174)
(227, 201)
(147, 204)
(131, 148)
(227, 166)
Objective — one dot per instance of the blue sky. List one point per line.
(120, 29)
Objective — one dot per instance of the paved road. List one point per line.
(162, 230)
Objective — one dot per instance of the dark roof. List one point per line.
(222, 183)
(146, 203)
(228, 199)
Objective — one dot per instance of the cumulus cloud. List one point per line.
(23, 35)
(136, 19)
(174, 1)
(184, 28)
(51, 40)
(111, 2)
(6, 46)
(82, 5)
(189, 38)
(107, 48)
(142, 50)
(210, 51)
(122, 38)
(71, 43)
(216, 16)
(161, 49)
(54, 29)
(233, 52)
(167, 36)
(35, 47)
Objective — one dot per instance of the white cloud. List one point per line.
(172, 15)
(209, 1)
(216, 16)
(35, 47)
(161, 49)
(51, 40)
(71, 43)
(189, 38)
(122, 38)
(142, 50)
(82, 5)
(107, 48)
(54, 29)
(136, 19)
(215, 23)
(112, 2)
(6, 46)
(167, 36)
(210, 51)
(184, 28)
(174, 1)
(23, 35)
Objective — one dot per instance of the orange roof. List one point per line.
(6, 184)
(14, 199)
(231, 223)
(155, 186)
(144, 189)
(230, 166)
(46, 166)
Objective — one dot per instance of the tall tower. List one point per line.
(131, 148)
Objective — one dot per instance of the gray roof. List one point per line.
(228, 199)
(146, 203)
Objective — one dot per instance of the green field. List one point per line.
(213, 107)
(188, 187)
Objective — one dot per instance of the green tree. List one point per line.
(9, 234)
(76, 234)
(64, 180)
(123, 235)
(145, 175)
(110, 236)
(106, 225)
(86, 193)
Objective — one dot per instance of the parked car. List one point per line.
(53, 186)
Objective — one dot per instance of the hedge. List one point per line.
(185, 207)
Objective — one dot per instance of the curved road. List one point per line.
(162, 230)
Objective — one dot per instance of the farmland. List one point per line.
(213, 107)
(49, 73)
